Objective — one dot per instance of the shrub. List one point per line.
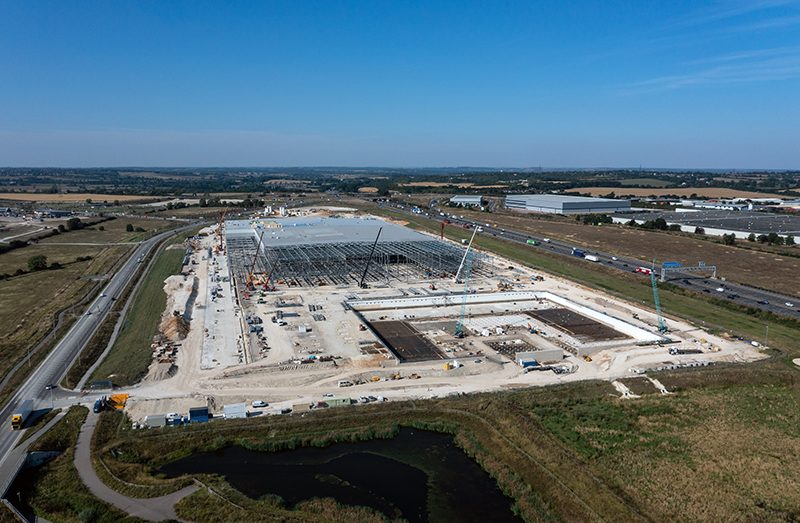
(37, 263)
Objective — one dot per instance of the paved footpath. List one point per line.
(152, 509)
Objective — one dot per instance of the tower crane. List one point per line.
(464, 259)
(366, 268)
(662, 325)
(253, 265)
(219, 229)
(459, 330)
(465, 269)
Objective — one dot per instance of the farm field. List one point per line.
(31, 301)
(114, 231)
(754, 267)
(72, 197)
(648, 182)
(708, 192)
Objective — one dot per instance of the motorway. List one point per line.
(57, 362)
(730, 291)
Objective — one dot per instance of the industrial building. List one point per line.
(561, 204)
(339, 251)
(467, 200)
(716, 223)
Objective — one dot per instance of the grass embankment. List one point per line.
(715, 314)
(130, 356)
(721, 448)
(56, 491)
(37, 424)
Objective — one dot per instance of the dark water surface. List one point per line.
(417, 475)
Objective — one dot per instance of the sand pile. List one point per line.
(174, 327)
(161, 371)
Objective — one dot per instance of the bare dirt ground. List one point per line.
(278, 379)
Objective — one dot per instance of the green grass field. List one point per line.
(130, 356)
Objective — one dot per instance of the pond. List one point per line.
(417, 475)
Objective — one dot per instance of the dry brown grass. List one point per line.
(71, 197)
(368, 189)
(710, 192)
(755, 267)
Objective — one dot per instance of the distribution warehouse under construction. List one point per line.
(329, 306)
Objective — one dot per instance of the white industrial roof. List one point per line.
(559, 198)
(307, 231)
(466, 198)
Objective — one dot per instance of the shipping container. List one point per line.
(198, 415)
(156, 420)
(235, 411)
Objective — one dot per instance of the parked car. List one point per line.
(258, 404)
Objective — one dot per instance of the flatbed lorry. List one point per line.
(21, 414)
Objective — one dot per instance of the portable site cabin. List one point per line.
(541, 356)
(337, 402)
(156, 420)
(198, 415)
(234, 410)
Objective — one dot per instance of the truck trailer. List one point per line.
(591, 258)
(21, 414)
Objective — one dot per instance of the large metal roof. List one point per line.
(558, 199)
(281, 232)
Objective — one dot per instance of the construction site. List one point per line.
(328, 307)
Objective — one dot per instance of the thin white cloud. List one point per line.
(753, 68)
(746, 55)
(763, 25)
(730, 10)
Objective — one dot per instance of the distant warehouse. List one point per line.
(467, 200)
(560, 204)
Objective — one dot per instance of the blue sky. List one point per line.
(556, 84)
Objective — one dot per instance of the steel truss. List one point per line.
(344, 263)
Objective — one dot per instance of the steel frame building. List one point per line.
(337, 254)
